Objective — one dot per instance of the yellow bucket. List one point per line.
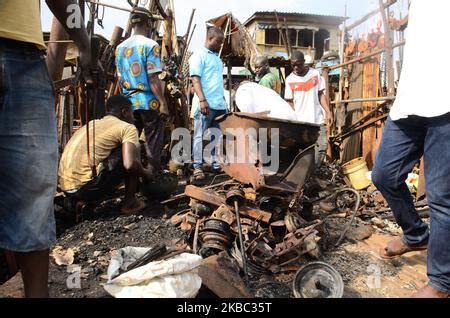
(356, 171)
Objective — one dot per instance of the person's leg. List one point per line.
(400, 149)
(437, 176)
(199, 128)
(34, 269)
(321, 146)
(131, 204)
(28, 164)
(212, 123)
(154, 135)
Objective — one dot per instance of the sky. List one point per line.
(241, 9)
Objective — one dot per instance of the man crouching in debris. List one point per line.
(114, 153)
(206, 69)
(419, 124)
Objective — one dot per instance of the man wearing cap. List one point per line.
(264, 76)
(138, 65)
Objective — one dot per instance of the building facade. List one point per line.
(312, 34)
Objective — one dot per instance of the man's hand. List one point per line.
(204, 107)
(164, 112)
(86, 65)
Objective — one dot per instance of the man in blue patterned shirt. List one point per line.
(138, 65)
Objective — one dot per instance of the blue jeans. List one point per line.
(402, 145)
(28, 150)
(201, 124)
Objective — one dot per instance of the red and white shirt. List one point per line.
(304, 91)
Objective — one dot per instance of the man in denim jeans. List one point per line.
(28, 139)
(206, 70)
(419, 124)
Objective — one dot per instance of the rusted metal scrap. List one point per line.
(296, 162)
(288, 252)
(210, 197)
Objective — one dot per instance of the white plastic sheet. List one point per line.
(173, 278)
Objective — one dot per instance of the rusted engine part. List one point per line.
(237, 197)
(287, 253)
(216, 200)
(214, 236)
(295, 164)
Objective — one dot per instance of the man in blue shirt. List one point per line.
(138, 65)
(206, 70)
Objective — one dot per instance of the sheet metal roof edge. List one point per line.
(253, 16)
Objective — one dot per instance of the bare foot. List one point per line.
(132, 206)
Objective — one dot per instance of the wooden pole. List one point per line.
(282, 34)
(369, 15)
(287, 37)
(389, 51)
(341, 55)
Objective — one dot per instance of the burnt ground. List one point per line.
(95, 240)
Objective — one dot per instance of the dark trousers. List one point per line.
(111, 174)
(402, 145)
(153, 126)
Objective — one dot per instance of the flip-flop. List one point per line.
(385, 253)
(134, 210)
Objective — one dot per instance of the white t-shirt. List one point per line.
(304, 90)
(255, 98)
(421, 88)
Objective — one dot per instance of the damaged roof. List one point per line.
(301, 15)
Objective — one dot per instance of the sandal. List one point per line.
(198, 175)
(398, 247)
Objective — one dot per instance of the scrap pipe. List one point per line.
(365, 56)
(157, 17)
(361, 100)
(369, 15)
(241, 239)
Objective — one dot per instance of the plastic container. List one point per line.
(356, 171)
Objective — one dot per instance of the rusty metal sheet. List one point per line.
(295, 162)
(222, 277)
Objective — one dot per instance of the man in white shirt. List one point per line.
(419, 124)
(305, 91)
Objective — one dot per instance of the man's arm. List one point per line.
(157, 89)
(132, 163)
(326, 106)
(198, 89)
(79, 35)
